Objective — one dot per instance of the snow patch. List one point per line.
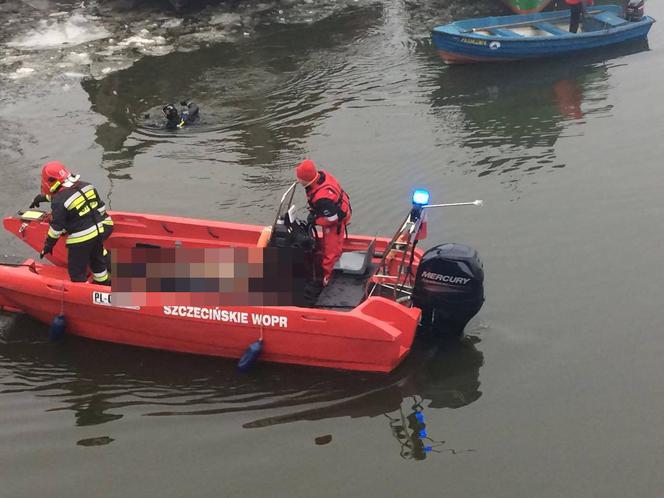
(172, 23)
(60, 32)
(21, 73)
(142, 39)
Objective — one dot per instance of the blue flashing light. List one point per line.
(421, 197)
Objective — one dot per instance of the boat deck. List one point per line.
(535, 29)
(345, 292)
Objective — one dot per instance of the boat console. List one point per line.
(446, 282)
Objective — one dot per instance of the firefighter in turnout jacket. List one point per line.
(329, 208)
(78, 211)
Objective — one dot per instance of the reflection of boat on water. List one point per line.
(569, 95)
(511, 119)
(445, 376)
(100, 383)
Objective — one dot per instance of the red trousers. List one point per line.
(331, 246)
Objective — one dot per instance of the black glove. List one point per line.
(37, 200)
(311, 218)
(185, 102)
(48, 249)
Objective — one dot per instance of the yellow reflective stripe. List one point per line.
(100, 277)
(87, 234)
(105, 253)
(78, 203)
(71, 199)
(92, 229)
(54, 234)
(108, 221)
(82, 238)
(77, 198)
(86, 209)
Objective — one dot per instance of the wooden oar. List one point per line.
(524, 23)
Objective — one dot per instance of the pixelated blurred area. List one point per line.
(156, 276)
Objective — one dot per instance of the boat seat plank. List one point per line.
(355, 262)
(550, 28)
(506, 33)
(609, 18)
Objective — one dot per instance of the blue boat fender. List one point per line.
(57, 329)
(250, 355)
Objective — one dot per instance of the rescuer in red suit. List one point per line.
(329, 208)
(576, 9)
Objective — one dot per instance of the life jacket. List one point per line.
(329, 188)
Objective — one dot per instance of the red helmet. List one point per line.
(53, 175)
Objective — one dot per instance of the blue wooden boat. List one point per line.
(537, 35)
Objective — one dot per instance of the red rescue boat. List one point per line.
(366, 319)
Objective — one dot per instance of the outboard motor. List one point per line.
(449, 287)
(634, 10)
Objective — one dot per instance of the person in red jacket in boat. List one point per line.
(329, 208)
(76, 209)
(577, 7)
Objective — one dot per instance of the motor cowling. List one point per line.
(449, 287)
(634, 10)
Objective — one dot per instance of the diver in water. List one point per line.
(179, 119)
